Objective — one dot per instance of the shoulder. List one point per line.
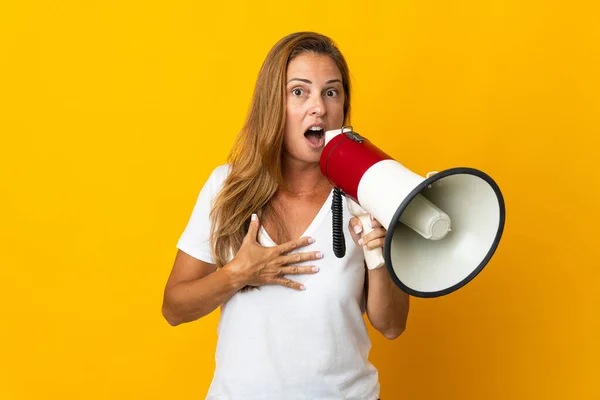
(217, 177)
(220, 173)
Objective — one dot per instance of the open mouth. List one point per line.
(315, 136)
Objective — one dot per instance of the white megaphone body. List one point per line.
(442, 229)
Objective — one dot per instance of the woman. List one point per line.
(258, 244)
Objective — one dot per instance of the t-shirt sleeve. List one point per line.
(195, 239)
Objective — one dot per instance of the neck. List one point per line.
(303, 178)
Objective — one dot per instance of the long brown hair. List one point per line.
(255, 159)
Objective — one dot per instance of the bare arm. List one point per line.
(196, 288)
(387, 305)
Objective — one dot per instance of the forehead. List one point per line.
(319, 67)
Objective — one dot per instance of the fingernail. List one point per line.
(365, 247)
(315, 269)
(319, 254)
(311, 240)
(254, 217)
(357, 229)
(360, 242)
(302, 287)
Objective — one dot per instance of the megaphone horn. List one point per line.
(442, 229)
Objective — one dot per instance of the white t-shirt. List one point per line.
(277, 343)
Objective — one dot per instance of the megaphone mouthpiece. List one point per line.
(426, 219)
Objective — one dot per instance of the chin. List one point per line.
(312, 158)
(304, 157)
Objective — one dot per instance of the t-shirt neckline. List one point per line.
(311, 227)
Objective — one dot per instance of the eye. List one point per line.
(297, 92)
(331, 93)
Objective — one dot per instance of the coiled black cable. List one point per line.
(337, 219)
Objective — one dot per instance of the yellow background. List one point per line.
(113, 113)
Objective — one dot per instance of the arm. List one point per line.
(387, 305)
(195, 288)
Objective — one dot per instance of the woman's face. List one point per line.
(315, 104)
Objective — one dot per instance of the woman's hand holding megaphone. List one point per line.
(368, 233)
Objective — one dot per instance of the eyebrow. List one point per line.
(309, 82)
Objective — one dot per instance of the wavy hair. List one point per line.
(255, 159)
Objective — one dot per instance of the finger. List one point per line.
(253, 228)
(288, 283)
(375, 243)
(291, 245)
(355, 228)
(298, 257)
(374, 234)
(355, 225)
(296, 270)
(375, 223)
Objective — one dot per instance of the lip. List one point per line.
(318, 125)
(321, 142)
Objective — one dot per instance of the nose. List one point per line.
(317, 107)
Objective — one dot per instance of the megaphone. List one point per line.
(442, 229)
